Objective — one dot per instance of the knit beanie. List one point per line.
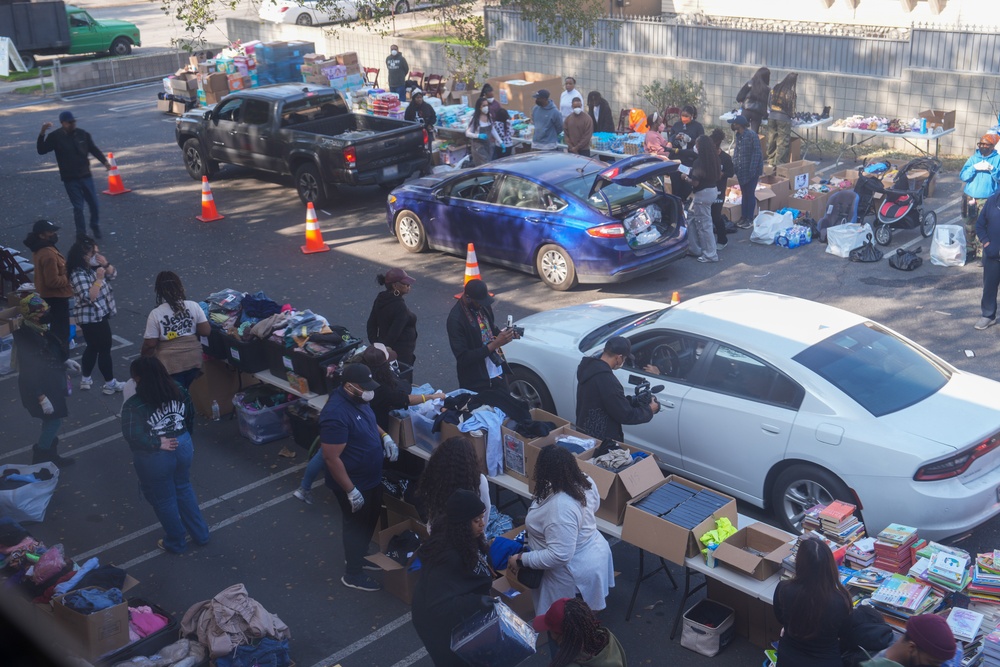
(463, 505)
(990, 138)
(931, 635)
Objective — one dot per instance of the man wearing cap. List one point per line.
(419, 109)
(476, 341)
(398, 70)
(748, 163)
(548, 122)
(353, 447)
(981, 175)
(72, 147)
(51, 279)
(601, 405)
(928, 642)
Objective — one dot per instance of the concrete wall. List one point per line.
(619, 77)
(867, 12)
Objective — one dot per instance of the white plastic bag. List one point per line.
(948, 246)
(767, 224)
(842, 239)
(29, 501)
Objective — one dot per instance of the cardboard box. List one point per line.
(519, 95)
(533, 449)
(816, 207)
(216, 81)
(667, 540)
(779, 188)
(514, 445)
(795, 149)
(939, 117)
(10, 320)
(617, 488)
(217, 382)
(347, 58)
(759, 537)
(401, 430)
(515, 596)
(163, 106)
(400, 508)
(184, 83)
(396, 578)
(177, 108)
(97, 633)
(798, 174)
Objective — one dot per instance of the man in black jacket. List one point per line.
(73, 148)
(601, 405)
(476, 341)
(988, 232)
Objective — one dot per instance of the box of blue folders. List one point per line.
(669, 519)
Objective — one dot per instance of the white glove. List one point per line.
(46, 405)
(72, 366)
(389, 448)
(983, 166)
(357, 500)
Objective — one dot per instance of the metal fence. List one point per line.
(974, 51)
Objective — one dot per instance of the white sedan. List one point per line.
(786, 403)
(308, 12)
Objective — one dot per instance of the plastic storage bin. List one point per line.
(708, 627)
(264, 425)
(247, 356)
(304, 422)
(214, 345)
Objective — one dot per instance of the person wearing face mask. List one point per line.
(42, 363)
(353, 448)
(398, 70)
(981, 175)
(687, 130)
(487, 94)
(579, 129)
(601, 405)
(476, 341)
(748, 163)
(548, 122)
(927, 642)
(567, 97)
(51, 278)
(482, 135)
(90, 273)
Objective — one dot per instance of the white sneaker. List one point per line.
(112, 386)
(86, 384)
(305, 495)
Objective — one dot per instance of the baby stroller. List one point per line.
(902, 207)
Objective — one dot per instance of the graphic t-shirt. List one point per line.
(179, 348)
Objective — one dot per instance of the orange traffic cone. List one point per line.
(314, 237)
(675, 298)
(208, 210)
(115, 185)
(471, 268)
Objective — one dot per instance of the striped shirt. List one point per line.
(86, 311)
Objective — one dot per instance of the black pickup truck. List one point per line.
(306, 131)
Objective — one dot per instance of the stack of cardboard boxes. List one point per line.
(343, 71)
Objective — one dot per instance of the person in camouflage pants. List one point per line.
(779, 121)
(981, 175)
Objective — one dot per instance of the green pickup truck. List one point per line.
(55, 28)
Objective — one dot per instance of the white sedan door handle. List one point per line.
(770, 429)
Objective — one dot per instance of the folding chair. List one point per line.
(372, 70)
(417, 77)
(434, 85)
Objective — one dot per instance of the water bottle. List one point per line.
(215, 410)
(710, 555)
(923, 126)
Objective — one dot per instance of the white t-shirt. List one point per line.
(566, 101)
(179, 348)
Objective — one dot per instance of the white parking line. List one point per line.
(364, 641)
(73, 452)
(412, 658)
(121, 343)
(134, 105)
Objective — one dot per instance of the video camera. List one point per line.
(643, 391)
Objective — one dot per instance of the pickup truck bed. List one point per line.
(306, 131)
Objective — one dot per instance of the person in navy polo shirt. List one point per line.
(353, 448)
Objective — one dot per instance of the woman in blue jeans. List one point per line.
(157, 424)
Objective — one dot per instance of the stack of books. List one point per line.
(838, 523)
(949, 571)
(900, 597)
(985, 584)
(811, 521)
(861, 554)
(991, 649)
(892, 548)
(965, 624)
(868, 579)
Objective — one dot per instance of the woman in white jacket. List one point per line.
(563, 539)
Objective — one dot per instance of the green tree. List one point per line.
(675, 92)
(555, 19)
(466, 52)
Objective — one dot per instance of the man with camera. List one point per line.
(476, 341)
(601, 404)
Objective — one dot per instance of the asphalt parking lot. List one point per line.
(289, 554)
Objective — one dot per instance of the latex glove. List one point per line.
(357, 500)
(484, 136)
(389, 448)
(46, 405)
(72, 366)
(984, 166)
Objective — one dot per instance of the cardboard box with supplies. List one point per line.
(650, 530)
(97, 633)
(401, 431)
(798, 173)
(939, 118)
(515, 444)
(532, 451)
(618, 487)
(396, 577)
(755, 551)
(779, 188)
(515, 91)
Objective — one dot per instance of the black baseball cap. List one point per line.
(42, 226)
(541, 92)
(67, 117)
(477, 291)
(360, 375)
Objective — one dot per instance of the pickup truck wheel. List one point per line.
(195, 160)
(309, 185)
(410, 231)
(120, 47)
(303, 19)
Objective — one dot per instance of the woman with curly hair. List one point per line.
(455, 576)
(582, 642)
(173, 328)
(562, 534)
(452, 466)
